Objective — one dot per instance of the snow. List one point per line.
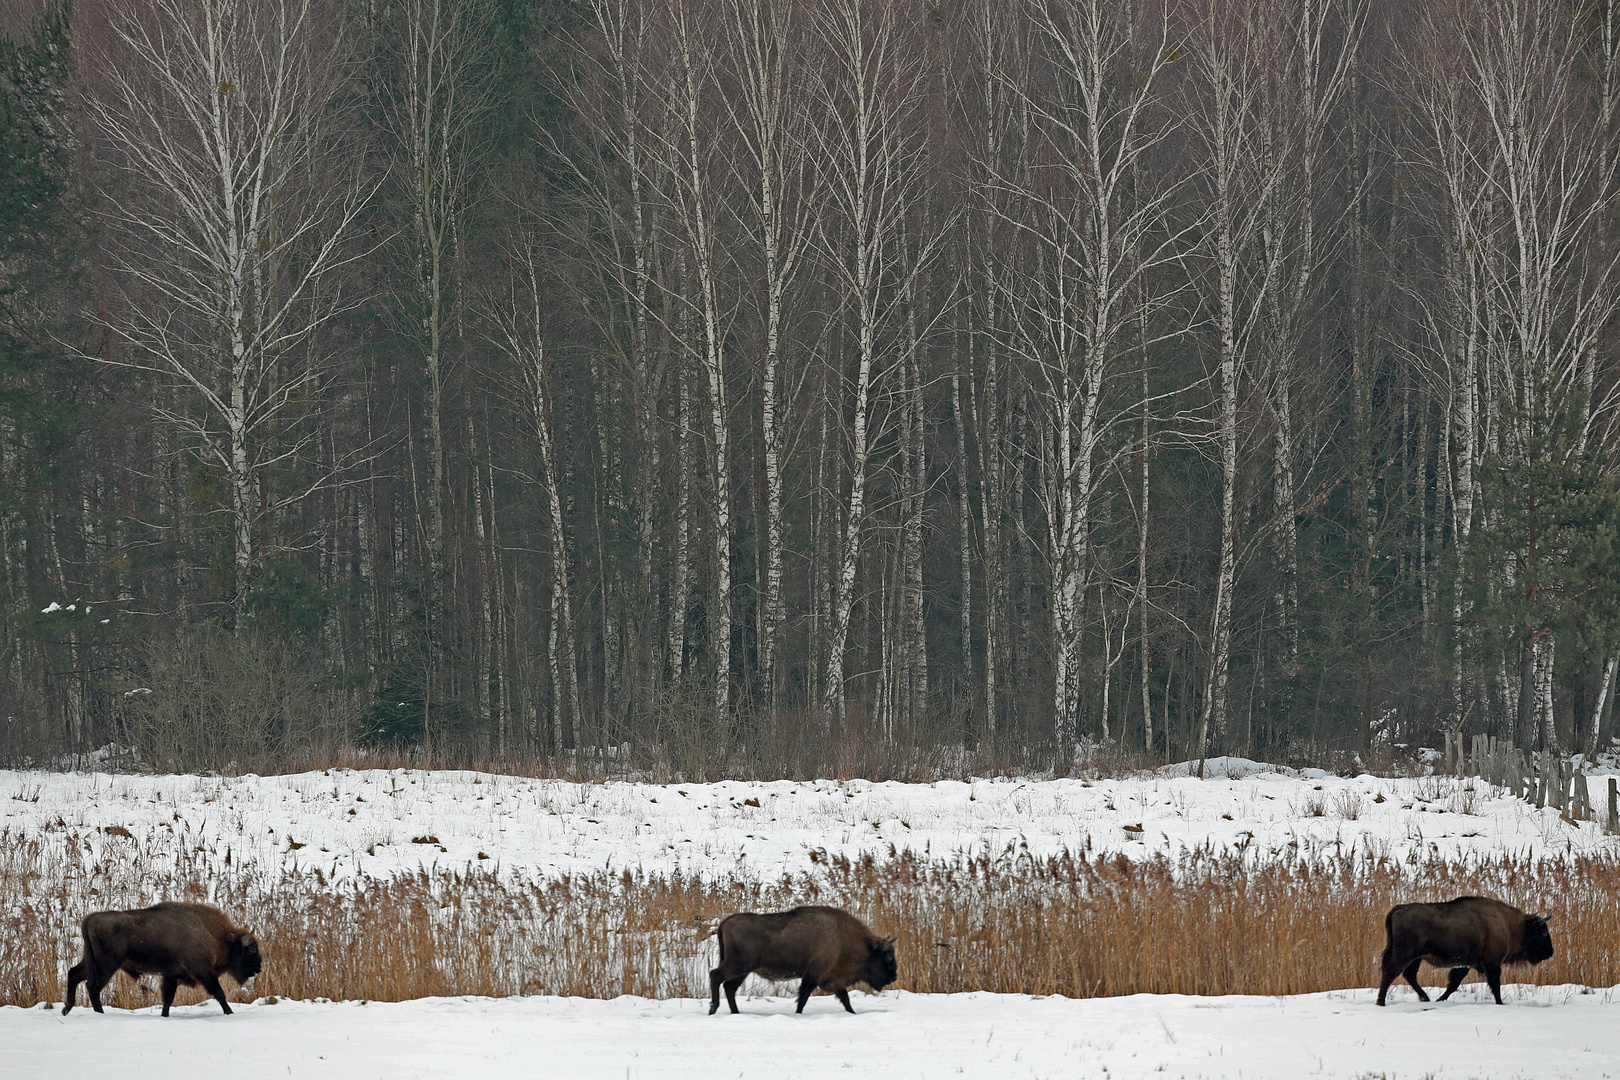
(1542, 1032)
(378, 823)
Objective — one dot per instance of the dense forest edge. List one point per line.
(806, 387)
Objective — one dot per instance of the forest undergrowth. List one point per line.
(1206, 922)
(767, 752)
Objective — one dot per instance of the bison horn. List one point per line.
(247, 938)
(888, 942)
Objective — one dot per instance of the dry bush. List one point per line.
(1206, 923)
(679, 743)
(209, 700)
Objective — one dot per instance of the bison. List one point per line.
(1468, 932)
(190, 944)
(821, 946)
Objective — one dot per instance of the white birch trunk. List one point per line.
(964, 520)
(1213, 718)
(1087, 222)
(1595, 726)
(680, 588)
(765, 40)
(1240, 181)
(870, 91)
(1144, 506)
(522, 336)
(915, 484)
(217, 113)
(986, 423)
(483, 661)
(432, 106)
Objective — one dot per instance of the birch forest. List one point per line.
(806, 387)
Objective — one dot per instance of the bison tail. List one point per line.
(90, 957)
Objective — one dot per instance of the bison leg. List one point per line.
(210, 982)
(170, 983)
(1454, 980)
(76, 975)
(97, 982)
(731, 990)
(1392, 969)
(1493, 975)
(1389, 971)
(807, 986)
(1411, 976)
(717, 977)
(843, 998)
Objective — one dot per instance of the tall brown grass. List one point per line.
(1208, 922)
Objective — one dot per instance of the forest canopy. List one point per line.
(803, 386)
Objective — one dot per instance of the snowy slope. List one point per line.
(380, 822)
(1545, 1033)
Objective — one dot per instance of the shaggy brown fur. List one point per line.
(821, 946)
(187, 944)
(1468, 932)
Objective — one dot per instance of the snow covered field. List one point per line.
(377, 823)
(1542, 1033)
(353, 825)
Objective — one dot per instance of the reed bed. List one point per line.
(1207, 922)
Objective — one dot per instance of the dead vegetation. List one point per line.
(1207, 922)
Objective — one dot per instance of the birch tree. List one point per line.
(770, 113)
(434, 97)
(694, 198)
(1512, 121)
(223, 116)
(995, 121)
(1094, 236)
(520, 331)
(1236, 184)
(625, 266)
(1455, 324)
(1307, 53)
(871, 148)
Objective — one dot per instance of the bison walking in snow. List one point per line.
(187, 944)
(821, 946)
(1468, 932)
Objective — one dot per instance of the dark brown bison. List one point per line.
(190, 944)
(821, 946)
(1468, 932)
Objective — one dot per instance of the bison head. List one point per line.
(243, 960)
(880, 969)
(1537, 944)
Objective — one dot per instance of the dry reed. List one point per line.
(1208, 922)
